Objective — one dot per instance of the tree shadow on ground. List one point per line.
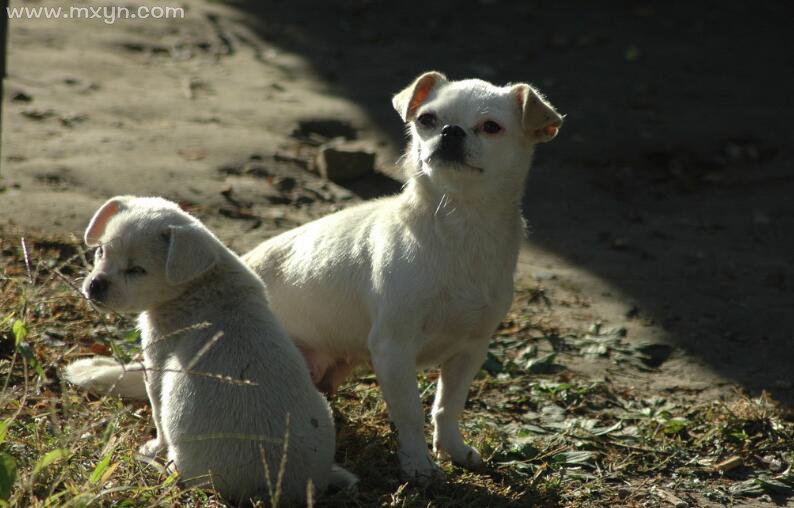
(667, 181)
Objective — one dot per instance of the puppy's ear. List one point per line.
(408, 101)
(540, 120)
(191, 252)
(96, 228)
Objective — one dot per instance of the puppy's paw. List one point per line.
(421, 470)
(461, 455)
(151, 448)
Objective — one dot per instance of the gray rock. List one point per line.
(339, 161)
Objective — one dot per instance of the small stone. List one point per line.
(339, 162)
(38, 114)
(541, 276)
(285, 184)
(775, 465)
(257, 170)
(21, 97)
(327, 128)
(277, 199)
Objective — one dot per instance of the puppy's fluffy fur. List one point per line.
(226, 385)
(422, 278)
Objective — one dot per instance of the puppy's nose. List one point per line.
(98, 288)
(453, 132)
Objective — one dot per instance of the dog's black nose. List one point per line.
(98, 288)
(452, 132)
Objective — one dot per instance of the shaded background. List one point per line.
(667, 201)
(673, 177)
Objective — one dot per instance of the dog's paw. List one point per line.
(461, 455)
(421, 470)
(151, 448)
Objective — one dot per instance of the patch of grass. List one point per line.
(550, 437)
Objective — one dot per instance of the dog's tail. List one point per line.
(102, 375)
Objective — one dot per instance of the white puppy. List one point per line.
(227, 386)
(419, 279)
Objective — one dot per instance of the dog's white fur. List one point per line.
(422, 278)
(226, 385)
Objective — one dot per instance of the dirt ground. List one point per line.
(665, 205)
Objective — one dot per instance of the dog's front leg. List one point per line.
(457, 373)
(394, 362)
(154, 388)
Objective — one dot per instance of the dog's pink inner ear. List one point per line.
(539, 118)
(548, 131)
(414, 95)
(421, 92)
(96, 228)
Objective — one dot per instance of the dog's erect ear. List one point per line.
(408, 101)
(538, 117)
(191, 252)
(96, 228)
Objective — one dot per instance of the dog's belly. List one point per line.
(322, 322)
(459, 330)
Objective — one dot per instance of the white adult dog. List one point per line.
(227, 386)
(415, 280)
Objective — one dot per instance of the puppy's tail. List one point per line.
(102, 375)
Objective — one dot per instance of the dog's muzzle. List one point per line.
(450, 148)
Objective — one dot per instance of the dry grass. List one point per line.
(550, 438)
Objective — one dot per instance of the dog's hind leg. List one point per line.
(342, 479)
(317, 363)
(334, 376)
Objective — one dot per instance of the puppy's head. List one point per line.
(469, 133)
(147, 251)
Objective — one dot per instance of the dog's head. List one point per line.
(472, 133)
(147, 251)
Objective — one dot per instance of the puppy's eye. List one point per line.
(99, 252)
(491, 127)
(427, 120)
(135, 271)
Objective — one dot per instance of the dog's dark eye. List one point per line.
(135, 270)
(99, 252)
(491, 127)
(427, 120)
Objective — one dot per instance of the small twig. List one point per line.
(27, 258)
(669, 497)
(729, 464)
(283, 467)
(218, 377)
(206, 347)
(198, 326)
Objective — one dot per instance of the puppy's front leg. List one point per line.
(452, 391)
(394, 362)
(153, 388)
